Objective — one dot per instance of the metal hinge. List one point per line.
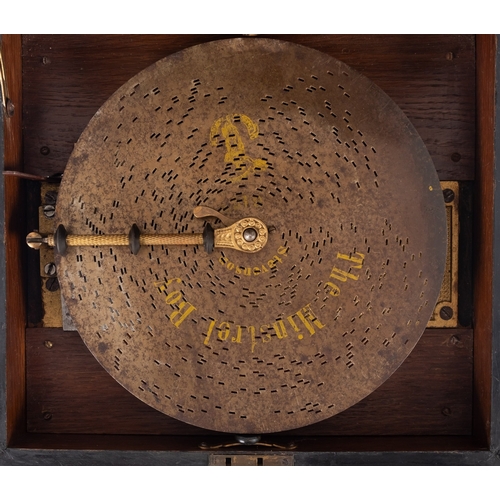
(251, 460)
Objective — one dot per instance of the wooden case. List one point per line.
(441, 406)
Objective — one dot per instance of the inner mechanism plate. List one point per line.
(340, 295)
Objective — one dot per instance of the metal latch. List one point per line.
(251, 460)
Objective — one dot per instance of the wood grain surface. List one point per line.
(67, 78)
(14, 244)
(484, 230)
(69, 392)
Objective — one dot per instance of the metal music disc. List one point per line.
(328, 310)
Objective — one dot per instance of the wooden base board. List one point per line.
(69, 392)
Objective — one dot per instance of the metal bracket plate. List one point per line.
(445, 313)
(251, 460)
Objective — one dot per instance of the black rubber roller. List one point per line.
(208, 238)
(60, 240)
(134, 239)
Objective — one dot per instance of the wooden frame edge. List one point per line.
(486, 46)
(15, 372)
(495, 347)
(3, 307)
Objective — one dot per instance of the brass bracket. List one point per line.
(55, 314)
(51, 295)
(445, 313)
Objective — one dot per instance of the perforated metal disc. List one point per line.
(340, 295)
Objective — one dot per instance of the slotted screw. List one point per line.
(49, 211)
(448, 195)
(50, 197)
(446, 313)
(50, 269)
(52, 284)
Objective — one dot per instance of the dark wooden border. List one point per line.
(495, 347)
(484, 227)
(13, 196)
(3, 311)
(18, 448)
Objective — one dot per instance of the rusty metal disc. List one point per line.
(319, 318)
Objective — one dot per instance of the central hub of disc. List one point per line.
(249, 234)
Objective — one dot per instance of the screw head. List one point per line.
(48, 344)
(10, 108)
(455, 340)
(47, 415)
(34, 240)
(50, 269)
(448, 195)
(44, 150)
(456, 157)
(52, 284)
(446, 412)
(446, 313)
(49, 211)
(50, 198)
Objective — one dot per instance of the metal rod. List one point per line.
(247, 235)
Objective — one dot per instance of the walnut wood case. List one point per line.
(441, 406)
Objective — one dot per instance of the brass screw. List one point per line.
(48, 344)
